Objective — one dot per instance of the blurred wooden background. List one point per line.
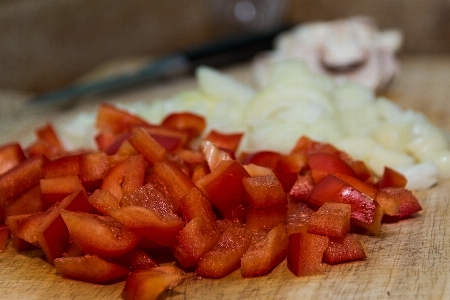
(48, 43)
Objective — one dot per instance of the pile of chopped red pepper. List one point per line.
(155, 202)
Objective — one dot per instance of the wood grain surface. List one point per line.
(410, 260)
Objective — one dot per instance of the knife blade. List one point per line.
(215, 54)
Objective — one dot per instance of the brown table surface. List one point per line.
(410, 260)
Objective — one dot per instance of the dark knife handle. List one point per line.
(233, 49)
(216, 54)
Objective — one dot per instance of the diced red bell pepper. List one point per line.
(374, 227)
(63, 166)
(90, 268)
(268, 159)
(147, 212)
(264, 191)
(55, 189)
(302, 187)
(109, 141)
(264, 218)
(74, 250)
(150, 197)
(331, 219)
(408, 204)
(362, 171)
(48, 134)
(195, 205)
(291, 163)
(362, 186)
(4, 235)
(329, 163)
(213, 154)
(147, 146)
(173, 181)
(150, 283)
(112, 147)
(298, 217)
(26, 227)
(391, 178)
(99, 235)
(197, 238)
(29, 202)
(184, 258)
(223, 187)
(305, 253)
(333, 189)
(126, 150)
(19, 244)
(238, 214)
(200, 171)
(344, 249)
(255, 170)
(117, 120)
(318, 175)
(112, 183)
(389, 203)
(94, 167)
(52, 234)
(137, 260)
(225, 256)
(120, 150)
(103, 201)
(266, 253)
(10, 156)
(191, 157)
(125, 177)
(185, 121)
(228, 142)
(42, 148)
(307, 146)
(169, 138)
(20, 179)
(288, 167)
(181, 164)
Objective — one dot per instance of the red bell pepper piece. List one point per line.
(264, 191)
(52, 234)
(223, 187)
(195, 239)
(305, 253)
(90, 268)
(10, 156)
(228, 142)
(344, 249)
(149, 283)
(333, 189)
(408, 204)
(225, 256)
(265, 253)
(329, 163)
(20, 179)
(391, 178)
(332, 219)
(187, 122)
(55, 189)
(117, 120)
(99, 235)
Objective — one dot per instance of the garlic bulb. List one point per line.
(347, 49)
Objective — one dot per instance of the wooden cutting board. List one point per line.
(410, 260)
